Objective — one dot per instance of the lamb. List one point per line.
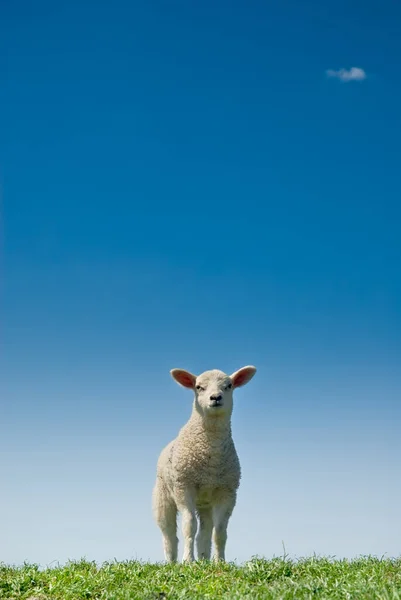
(198, 473)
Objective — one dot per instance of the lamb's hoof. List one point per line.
(188, 559)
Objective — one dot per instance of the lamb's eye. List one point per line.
(229, 386)
(200, 388)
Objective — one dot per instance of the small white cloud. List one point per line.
(353, 74)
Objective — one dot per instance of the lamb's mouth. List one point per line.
(216, 404)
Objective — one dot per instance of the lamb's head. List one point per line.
(214, 389)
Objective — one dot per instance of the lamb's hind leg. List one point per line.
(204, 539)
(165, 512)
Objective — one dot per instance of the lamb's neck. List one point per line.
(215, 427)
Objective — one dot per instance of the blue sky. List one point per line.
(184, 185)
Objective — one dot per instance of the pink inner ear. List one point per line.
(184, 378)
(242, 377)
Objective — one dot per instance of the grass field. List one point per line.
(278, 578)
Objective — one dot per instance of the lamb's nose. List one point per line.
(216, 397)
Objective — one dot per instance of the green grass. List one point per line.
(279, 578)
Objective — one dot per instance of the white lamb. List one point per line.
(199, 472)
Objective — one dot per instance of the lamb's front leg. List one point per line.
(186, 505)
(204, 539)
(221, 515)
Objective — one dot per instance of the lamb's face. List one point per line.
(214, 393)
(214, 389)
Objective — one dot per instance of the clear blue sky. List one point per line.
(183, 185)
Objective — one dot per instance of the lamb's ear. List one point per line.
(242, 376)
(184, 378)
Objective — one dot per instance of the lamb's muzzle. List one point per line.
(198, 473)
